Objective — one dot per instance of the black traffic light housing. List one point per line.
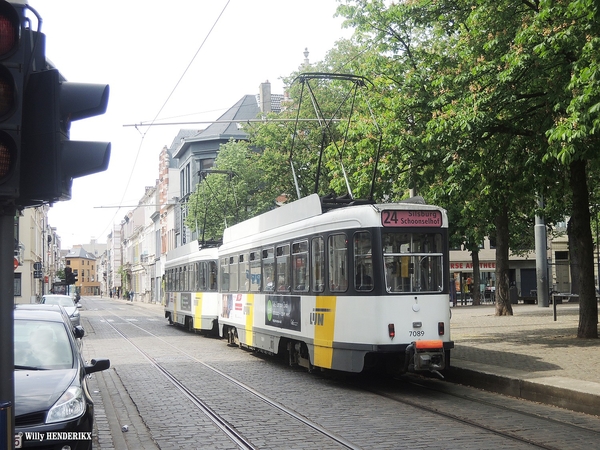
(50, 159)
(70, 277)
(38, 161)
(12, 80)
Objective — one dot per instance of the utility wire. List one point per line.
(143, 135)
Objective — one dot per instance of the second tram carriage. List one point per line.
(348, 288)
(191, 287)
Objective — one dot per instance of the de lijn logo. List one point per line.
(269, 311)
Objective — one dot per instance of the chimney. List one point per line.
(265, 97)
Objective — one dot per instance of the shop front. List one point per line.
(461, 275)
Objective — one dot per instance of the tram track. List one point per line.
(437, 407)
(433, 397)
(229, 429)
(480, 401)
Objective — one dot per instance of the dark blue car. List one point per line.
(53, 406)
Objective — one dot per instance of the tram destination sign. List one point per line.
(411, 218)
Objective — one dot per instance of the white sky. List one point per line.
(141, 49)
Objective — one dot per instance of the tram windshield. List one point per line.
(413, 262)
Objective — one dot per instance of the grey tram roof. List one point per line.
(309, 207)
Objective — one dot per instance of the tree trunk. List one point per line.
(476, 278)
(503, 307)
(582, 246)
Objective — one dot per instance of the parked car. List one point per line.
(78, 331)
(66, 302)
(53, 406)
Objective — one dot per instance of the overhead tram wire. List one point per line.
(143, 135)
(208, 122)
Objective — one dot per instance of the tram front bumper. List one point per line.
(425, 355)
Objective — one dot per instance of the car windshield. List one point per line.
(55, 300)
(42, 345)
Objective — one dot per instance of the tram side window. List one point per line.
(179, 276)
(268, 274)
(338, 262)
(186, 279)
(201, 276)
(212, 275)
(233, 273)
(300, 266)
(318, 264)
(225, 274)
(244, 273)
(191, 278)
(255, 272)
(363, 263)
(169, 277)
(283, 268)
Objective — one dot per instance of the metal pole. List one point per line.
(7, 299)
(541, 258)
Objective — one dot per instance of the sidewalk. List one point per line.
(527, 355)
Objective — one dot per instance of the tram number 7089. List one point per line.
(416, 333)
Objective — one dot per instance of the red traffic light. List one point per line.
(10, 30)
(12, 67)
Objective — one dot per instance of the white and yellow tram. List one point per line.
(349, 288)
(191, 287)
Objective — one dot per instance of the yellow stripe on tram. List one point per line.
(323, 318)
(198, 311)
(249, 313)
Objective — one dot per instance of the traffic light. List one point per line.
(12, 75)
(50, 159)
(70, 277)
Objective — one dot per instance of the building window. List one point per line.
(17, 285)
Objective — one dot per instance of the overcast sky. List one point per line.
(142, 49)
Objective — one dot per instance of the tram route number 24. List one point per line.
(416, 333)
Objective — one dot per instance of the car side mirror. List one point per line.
(97, 365)
(78, 331)
(79, 305)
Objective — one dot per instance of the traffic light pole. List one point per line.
(7, 356)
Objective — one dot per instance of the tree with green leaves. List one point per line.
(479, 141)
